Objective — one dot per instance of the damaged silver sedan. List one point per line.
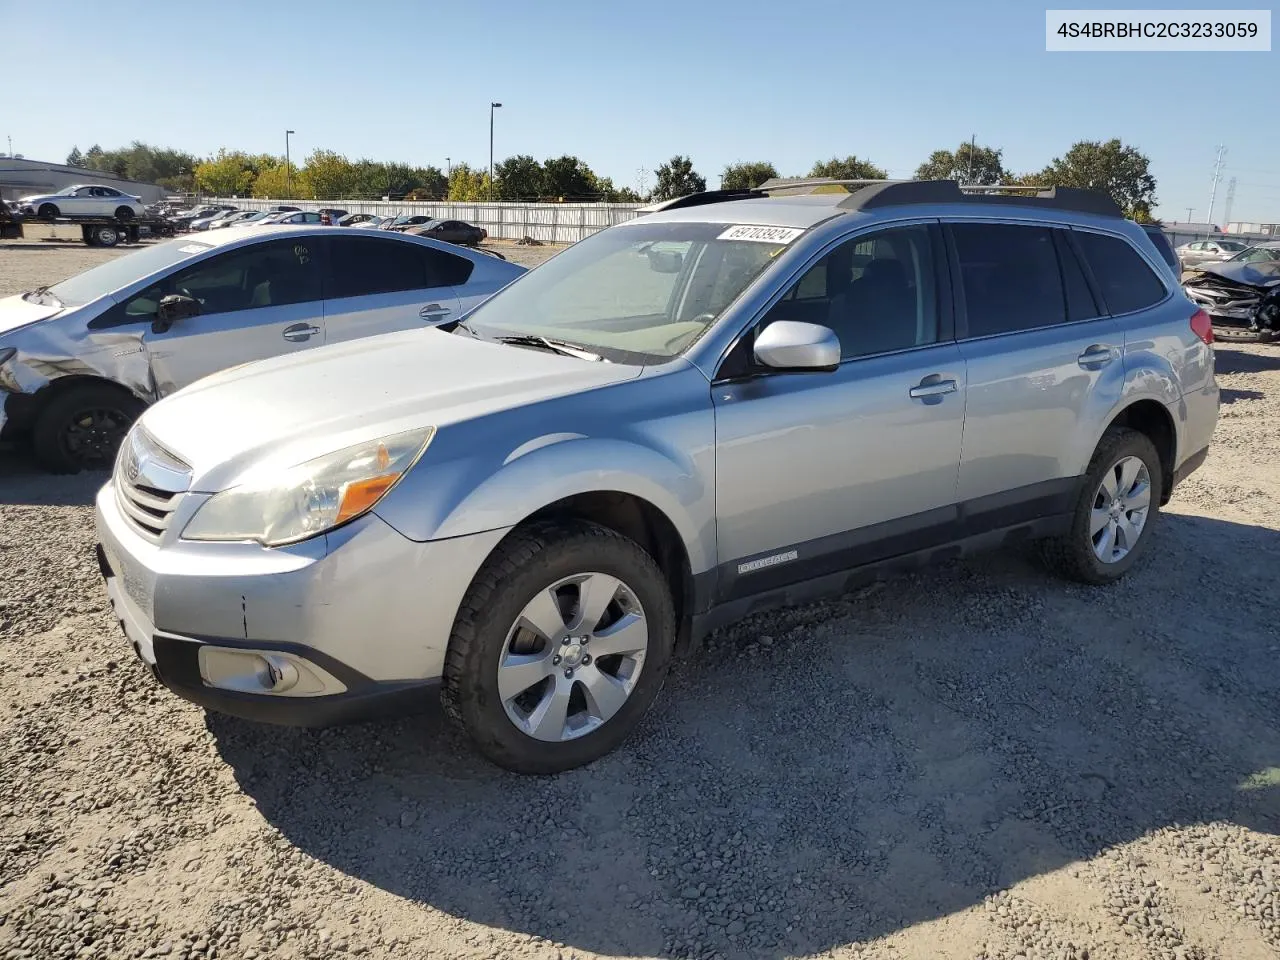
(1239, 293)
(79, 360)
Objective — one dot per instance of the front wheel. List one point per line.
(560, 646)
(81, 428)
(105, 236)
(1117, 507)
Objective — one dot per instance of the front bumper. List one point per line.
(342, 627)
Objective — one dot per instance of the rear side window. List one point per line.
(1010, 279)
(366, 266)
(1126, 281)
(1080, 302)
(1165, 249)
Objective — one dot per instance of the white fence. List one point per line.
(548, 222)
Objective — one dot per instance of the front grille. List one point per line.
(149, 481)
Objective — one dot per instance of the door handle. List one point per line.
(1096, 355)
(933, 386)
(300, 332)
(433, 310)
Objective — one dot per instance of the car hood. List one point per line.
(37, 197)
(290, 409)
(1264, 273)
(16, 313)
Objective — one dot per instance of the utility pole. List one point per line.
(1217, 175)
(492, 106)
(1231, 198)
(973, 145)
(1190, 210)
(288, 170)
(10, 144)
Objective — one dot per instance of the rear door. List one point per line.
(256, 302)
(1042, 358)
(380, 284)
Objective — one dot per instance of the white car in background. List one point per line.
(81, 358)
(84, 200)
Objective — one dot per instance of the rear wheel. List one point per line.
(1117, 507)
(560, 646)
(81, 428)
(124, 213)
(48, 211)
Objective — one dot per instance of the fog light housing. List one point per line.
(265, 672)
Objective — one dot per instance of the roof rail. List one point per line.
(905, 192)
(698, 199)
(782, 185)
(874, 194)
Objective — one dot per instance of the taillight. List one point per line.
(1202, 326)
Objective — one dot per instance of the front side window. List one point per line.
(1125, 280)
(635, 293)
(262, 275)
(1009, 277)
(877, 293)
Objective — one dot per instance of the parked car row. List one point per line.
(219, 216)
(1242, 291)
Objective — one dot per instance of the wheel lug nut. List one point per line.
(586, 660)
(568, 674)
(556, 660)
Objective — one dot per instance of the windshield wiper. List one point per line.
(546, 343)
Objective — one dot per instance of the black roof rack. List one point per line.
(948, 191)
(698, 199)
(874, 194)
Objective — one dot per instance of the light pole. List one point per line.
(492, 106)
(288, 170)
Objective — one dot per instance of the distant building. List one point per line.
(20, 177)
(1257, 229)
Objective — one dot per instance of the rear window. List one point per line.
(1165, 249)
(1126, 281)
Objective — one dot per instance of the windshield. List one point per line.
(114, 274)
(633, 294)
(1257, 254)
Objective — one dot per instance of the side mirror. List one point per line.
(791, 345)
(173, 308)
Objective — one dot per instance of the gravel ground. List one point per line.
(975, 762)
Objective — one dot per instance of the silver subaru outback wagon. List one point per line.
(740, 401)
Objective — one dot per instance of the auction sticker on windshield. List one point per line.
(750, 231)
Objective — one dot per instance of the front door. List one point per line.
(258, 301)
(820, 472)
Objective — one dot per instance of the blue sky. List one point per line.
(626, 85)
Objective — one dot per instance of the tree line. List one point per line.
(1111, 166)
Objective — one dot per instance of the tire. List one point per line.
(1075, 555)
(48, 211)
(59, 438)
(104, 236)
(86, 234)
(124, 213)
(489, 625)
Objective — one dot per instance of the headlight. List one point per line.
(302, 501)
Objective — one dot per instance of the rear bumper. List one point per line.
(1189, 466)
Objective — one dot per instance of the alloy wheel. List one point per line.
(573, 657)
(1121, 505)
